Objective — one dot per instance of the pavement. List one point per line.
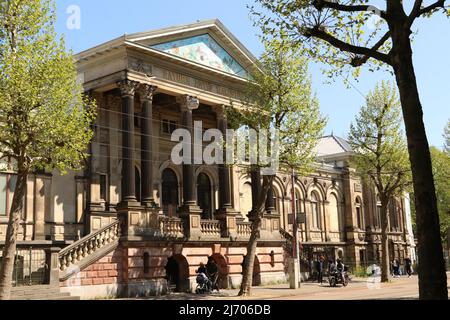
(402, 288)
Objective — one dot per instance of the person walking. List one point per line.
(319, 268)
(408, 268)
(213, 273)
(395, 268)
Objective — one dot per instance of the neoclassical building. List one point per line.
(133, 221)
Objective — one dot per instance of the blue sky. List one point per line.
(103, 20)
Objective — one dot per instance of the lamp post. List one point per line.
(295, 249)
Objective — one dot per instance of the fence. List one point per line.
(30, 267)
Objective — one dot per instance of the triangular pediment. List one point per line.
(203, 49)
(206, 43)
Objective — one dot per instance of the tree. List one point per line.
(333, 33)
(441, 172)
(381, 154)
(280, 97)
(447, 138)
(44, 119)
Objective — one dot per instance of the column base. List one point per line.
(228, 216)
(191, 214)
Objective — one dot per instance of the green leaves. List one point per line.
(45, 121)
(379, 143)
(280, 96)
(447, 138)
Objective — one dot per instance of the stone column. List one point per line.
(190, 210)
(226, 212)
(127, 91)
(39, 207)
(255, 176)
(270, 202)
(146, 93)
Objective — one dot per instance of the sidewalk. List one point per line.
(358, 289)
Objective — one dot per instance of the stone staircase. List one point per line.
(86, 251)
(42, 292)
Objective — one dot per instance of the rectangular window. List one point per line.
(168, 126)
(103, 186)
(7, 188)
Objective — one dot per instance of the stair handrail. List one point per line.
(88, 237)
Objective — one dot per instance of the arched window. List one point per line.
(298, 203)
(315, 210)
(393, 214)
(378, 213)
(333, 209)
(204, 195)
(246, 201)
(359, 213)
(169, 192)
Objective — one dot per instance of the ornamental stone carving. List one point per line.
(146, 92)
(188, 102)
(127, 87)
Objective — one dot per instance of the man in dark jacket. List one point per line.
(213, 273)
(319, 268)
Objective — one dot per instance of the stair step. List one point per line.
(34, 292)
(49, 296)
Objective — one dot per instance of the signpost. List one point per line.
(295, 254)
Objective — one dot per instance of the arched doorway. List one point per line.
(177, 273)
(169, 192)
(256, 271)
(204, 195)
(223, 270)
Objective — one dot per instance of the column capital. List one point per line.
(146, 92)
(221, 112)
(127, 87)
(188, 102)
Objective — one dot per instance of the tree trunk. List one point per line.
(247, 272)
(249, 262)
(9, 251)
(385, 261)
(432, 275)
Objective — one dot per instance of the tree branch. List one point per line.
(320, 4)
(325, 36)
(431, 7)
(360, 60)
(418, 11)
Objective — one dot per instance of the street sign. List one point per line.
(301, 218)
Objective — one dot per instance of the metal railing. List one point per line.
(30, 267)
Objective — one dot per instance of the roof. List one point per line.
(333, 145)
(151, 42)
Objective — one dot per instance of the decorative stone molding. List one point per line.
(140, 66)
(188, 102)
(127, 87)
(146, 92)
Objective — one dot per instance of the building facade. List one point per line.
(134, 223)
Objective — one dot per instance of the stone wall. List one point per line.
(103, 279)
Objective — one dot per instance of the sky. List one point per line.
(103, 20)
